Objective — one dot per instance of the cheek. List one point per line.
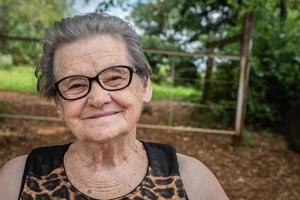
(72, 110)
(136, 103)
(131, 101)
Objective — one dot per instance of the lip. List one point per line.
(101, 114)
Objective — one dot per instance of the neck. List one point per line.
(106, 169)
(105, 155)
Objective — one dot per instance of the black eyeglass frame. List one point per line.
(95, 78)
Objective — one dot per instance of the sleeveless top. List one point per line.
(44, 176)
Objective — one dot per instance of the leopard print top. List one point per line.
(45, 178)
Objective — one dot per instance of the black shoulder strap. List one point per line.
(41, 161)
(162, 159)
(26, 169)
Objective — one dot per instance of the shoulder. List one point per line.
(199, 182)
(11, 176)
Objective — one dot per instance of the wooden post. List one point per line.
(172, 91)
(208, 73)
(244, 78)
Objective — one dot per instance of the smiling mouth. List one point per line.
(102, 114)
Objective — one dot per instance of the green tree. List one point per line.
(276, 65)
(181, 25)
(275, 61)
(27, 19)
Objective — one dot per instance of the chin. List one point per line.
(101, 134)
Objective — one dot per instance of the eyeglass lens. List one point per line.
(113, 78)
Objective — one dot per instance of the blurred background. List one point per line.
(194, 49)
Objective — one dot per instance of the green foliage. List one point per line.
(27, 19)
(163, 75)
(6, 60)
(275, 71)
(275, 66)
(157, 19)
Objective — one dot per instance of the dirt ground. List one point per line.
(262, 168)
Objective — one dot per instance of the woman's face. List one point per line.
(101, 115)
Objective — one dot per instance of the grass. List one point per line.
(22, 79)
(179, 93)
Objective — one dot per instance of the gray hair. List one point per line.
(70, 29)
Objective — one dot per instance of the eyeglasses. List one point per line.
(110, 79)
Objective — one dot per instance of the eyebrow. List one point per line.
(120, 65)
(81, 71)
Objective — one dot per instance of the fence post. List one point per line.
(208, 73)
(244, 78)
(171, 116)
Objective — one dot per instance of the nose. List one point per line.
(97, 96)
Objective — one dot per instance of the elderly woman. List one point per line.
(95, 71)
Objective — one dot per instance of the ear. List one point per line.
(58, 107)
(147, 90)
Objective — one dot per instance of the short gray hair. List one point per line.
(70, 29)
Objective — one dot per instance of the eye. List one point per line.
(77, 86)
(113, 78)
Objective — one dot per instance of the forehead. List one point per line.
(89, 55)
